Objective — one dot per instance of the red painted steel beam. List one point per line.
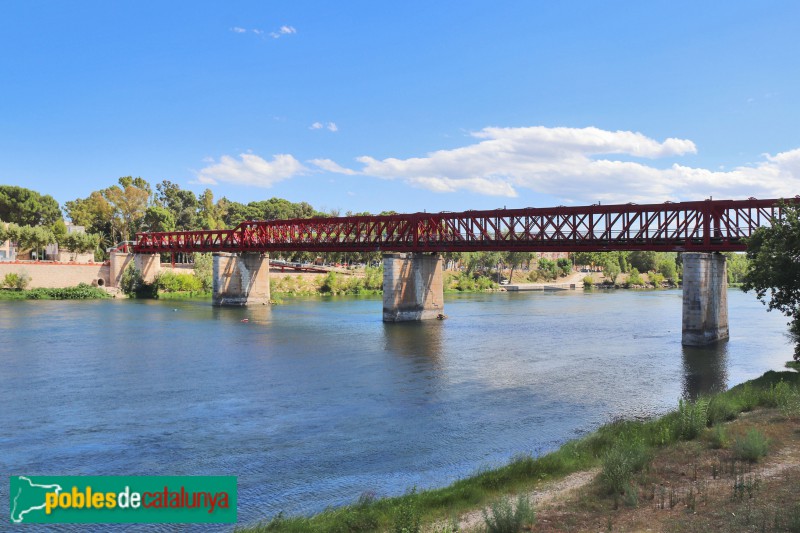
(704, 226)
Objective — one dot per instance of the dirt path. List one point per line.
(549, 493)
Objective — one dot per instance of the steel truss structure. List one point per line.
(703, 226)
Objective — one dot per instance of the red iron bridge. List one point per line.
(413, 282)
(702, 226)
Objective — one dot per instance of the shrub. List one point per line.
(548, 269)
(692, 419)
(667, 269)
(748, 397)
(588, 282)
(656, 279)
(718, 438)
(373, 278)
(331, 284)
(20, 281)
(168, 281)
(634, 278)
(134, 286)
(564, 266)
(777, 394)
(752, 447)
(620, 462)
(721, 408)
(506, 517)
(790, 403)
(406, 517)
(204, 269)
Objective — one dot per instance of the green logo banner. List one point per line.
(122, 499)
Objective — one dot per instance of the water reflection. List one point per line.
(414, 339)
(705, 369)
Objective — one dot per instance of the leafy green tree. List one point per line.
(642, 261)
(548, 268)
(81, 242)
(516, 260)
(667, 268)
(94, 213)
(773, 270)
(211, 215)
(158, 218)
(31, 238)
(129, 200)
(737, 266)
(59, 229)
(611, 268)
(26, 207)
(183, 204)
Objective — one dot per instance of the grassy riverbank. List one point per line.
(81, 292)
(704, 441)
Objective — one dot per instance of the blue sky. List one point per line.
(404, 105)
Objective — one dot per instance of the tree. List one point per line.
(611, 268)
(33, 238)
(667, 268)
(81, 242)
(211, 215)
(773, 269)
(642, 261)
(26, 207)
(129, 201)
(183, 204)
(516, 259)
(157, 218)
(548, 268)
(737, 266)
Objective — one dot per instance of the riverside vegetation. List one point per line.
(701, 460)
(14, 288)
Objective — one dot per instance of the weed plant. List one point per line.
(752, 447)
(505, 516)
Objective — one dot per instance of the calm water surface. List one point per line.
(314, 402)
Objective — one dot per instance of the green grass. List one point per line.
(624, 446)
(81, 292)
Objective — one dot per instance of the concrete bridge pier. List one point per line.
(241, 279)
(412, 287)
(148, 264)
(705, 298)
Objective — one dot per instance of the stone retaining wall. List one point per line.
(55, 275)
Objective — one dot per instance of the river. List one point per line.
(316, 401)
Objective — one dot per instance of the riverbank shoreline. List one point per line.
(587, 463)
(79, 292)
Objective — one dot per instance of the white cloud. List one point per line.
(330, 126)
(580, 165)
(283, 30)
(237, 29)
(331, 166)
(251, 170)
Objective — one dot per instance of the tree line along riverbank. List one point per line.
(730, 461)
